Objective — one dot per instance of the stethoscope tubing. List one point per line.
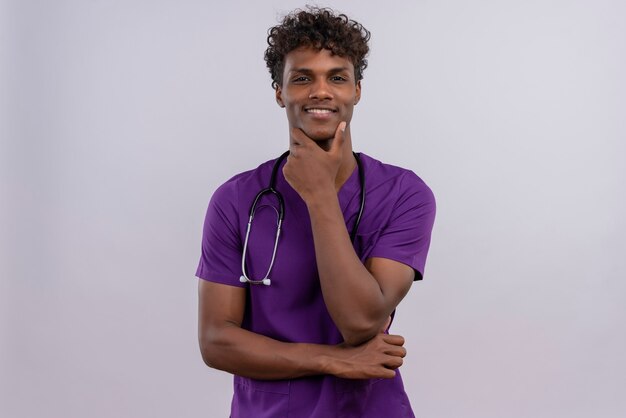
(281, 216)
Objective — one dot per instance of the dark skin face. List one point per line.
(318, 91)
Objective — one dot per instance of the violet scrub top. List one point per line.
(396, 224)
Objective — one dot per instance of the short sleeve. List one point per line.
(220, 260)
(406, 236)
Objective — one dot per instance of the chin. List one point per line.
(320, 134)
(324, 138)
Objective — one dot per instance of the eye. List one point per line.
(338, 79)
(300, 79)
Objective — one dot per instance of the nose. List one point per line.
(320, 90)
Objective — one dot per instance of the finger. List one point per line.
(338, 139)
(393, 362)
(396, 350)
(385, 372)
(298, 137)
(393, 339)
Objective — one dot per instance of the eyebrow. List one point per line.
(309, 71)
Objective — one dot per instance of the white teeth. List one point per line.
(319, 111)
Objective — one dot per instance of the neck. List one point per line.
(348, 165)
(348, 162)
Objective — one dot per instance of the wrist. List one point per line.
(321, 200)
(319, 196)
(318, 359)
(326, 365)
(329, 361)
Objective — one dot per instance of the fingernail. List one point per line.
(343, 126)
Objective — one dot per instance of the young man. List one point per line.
(300, 318)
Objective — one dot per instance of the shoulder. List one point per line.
(246, 182)
(395, 181)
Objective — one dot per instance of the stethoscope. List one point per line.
(281, 215)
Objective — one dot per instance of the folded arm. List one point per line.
(226, 346)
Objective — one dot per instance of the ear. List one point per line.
(279, 96)
(357, 97)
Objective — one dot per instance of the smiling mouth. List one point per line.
(319, 111)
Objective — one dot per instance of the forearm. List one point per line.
(225, 345)
(247, 354)
(242, 352)
(352, 295)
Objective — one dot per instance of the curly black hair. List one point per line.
(319, 28)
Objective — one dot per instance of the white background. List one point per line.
(120, 118)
